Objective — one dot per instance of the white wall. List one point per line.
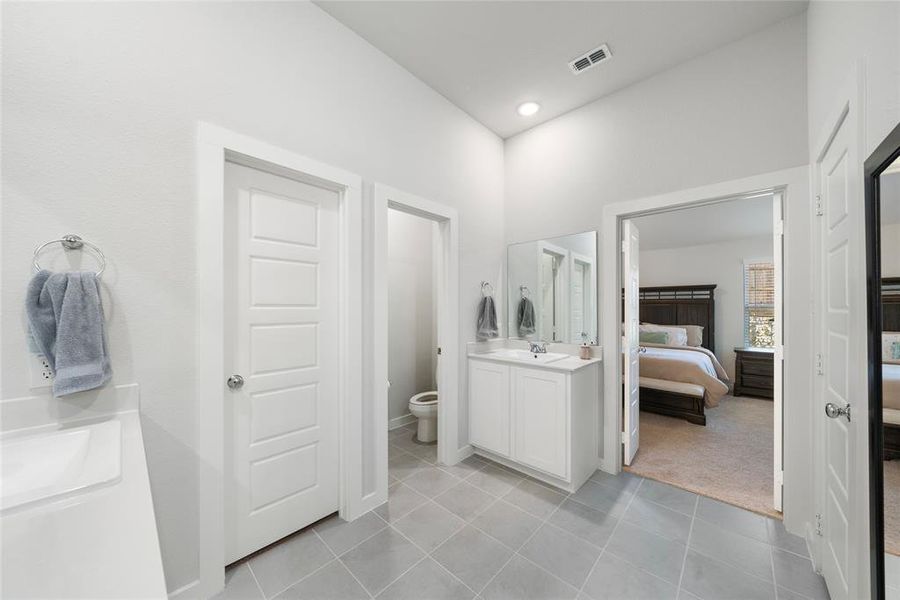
(734, 112)
(721, 264)
(890, 250)
(412, 334)
(100, 109)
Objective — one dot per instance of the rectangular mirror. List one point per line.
(552, 289)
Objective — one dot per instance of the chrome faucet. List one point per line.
(538, 347)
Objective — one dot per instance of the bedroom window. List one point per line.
(759, 304)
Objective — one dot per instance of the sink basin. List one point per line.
(46, 465)
(526, 357)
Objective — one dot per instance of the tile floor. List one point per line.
(478, 530)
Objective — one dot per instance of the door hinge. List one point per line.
(624, 437)
(819, 210)
(819, 525)
(820, 364)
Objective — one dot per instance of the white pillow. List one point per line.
(695, 335)
(890, 347)
(677, 335)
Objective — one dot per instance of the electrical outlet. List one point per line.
(41, 373)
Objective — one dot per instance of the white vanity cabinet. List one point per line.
(541, 420)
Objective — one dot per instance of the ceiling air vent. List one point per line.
(590, 59)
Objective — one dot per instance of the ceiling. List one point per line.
(487, 57)
(710, 224)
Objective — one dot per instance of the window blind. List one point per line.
(759, 304)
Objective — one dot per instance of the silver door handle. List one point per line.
(235, 382)
(833, 411)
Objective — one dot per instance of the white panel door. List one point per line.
(778, 396)
(843, 361)
(489, 408)
(631, 343)
(578, 301)
(540, 417)
(282, 424)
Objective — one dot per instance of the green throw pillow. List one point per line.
(654, 337)
(895, 351)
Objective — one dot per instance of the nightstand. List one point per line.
(754, 372)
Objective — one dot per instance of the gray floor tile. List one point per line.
(494, 480)
(381, 559)
(796, 573)
(615, 579)
(394, 452)
(239, 585)
(427, 580)
(566, 556)
(603, 497)
(658, 519)
(401, 500)
(473, 557)
(785, 594)
(710, 579)
(466, 467)
(405, 465)
(426, 453)
(522, 580)
(464, 500)
(733, 518)
(289, 562)
(534, 498)
(683, 594)
(341, 535)
(737, 550)
(429, 525)
(661, 556)
(509, 524)
(592, 525)
(331, 582)
(780, 538)
(669, 496)
(395, 433)
(624, 481)
(431, 481)
(406, 441)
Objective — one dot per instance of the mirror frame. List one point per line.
(883, 156)
(597, 266)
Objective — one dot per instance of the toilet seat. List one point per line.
(420, 399)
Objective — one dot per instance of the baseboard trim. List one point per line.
(398, 422)
(185, 592)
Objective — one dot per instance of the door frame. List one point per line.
(447, 304)
(794, 184)
(883, 156)
(848, 110)
(215, 147)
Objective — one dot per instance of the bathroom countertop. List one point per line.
(572, 363)
(101, 543)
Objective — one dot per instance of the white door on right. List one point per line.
(841, 371)
(631, 346)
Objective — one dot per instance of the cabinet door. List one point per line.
(540, 417)
(489, 408)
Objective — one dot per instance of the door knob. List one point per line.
(235, 382)
(833, 411)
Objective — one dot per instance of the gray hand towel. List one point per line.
(487, 319)
(525, 317)
(65, 320)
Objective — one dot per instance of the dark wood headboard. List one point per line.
(890, 304)
(682, 305)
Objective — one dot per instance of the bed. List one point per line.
(890, 392)
(667, 393)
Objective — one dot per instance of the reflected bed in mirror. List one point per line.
(552, 289)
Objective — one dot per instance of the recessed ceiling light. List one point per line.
(526, 109)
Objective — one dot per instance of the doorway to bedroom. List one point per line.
(702, 387)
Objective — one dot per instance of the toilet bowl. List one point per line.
(424, 407)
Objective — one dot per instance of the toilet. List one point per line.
(424, 407)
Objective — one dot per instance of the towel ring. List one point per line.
(523, 289)
(490, 289)
(72, 242)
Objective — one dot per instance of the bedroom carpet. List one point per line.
(729, 460)
(892, 506)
